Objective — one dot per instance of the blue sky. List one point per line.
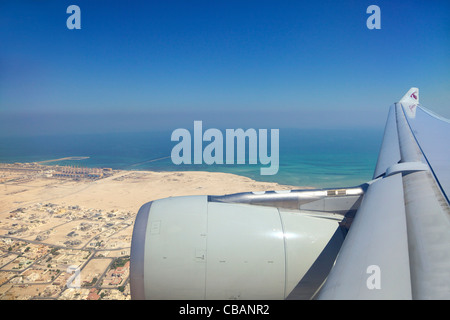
(141, 65)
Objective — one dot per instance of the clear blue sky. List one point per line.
(139, 65)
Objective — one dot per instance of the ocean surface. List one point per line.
(308, 157)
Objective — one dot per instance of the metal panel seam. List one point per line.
(285, 252)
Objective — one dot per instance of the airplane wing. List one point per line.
(386, 239)
(398, 246)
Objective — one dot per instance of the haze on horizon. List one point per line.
(264, 64)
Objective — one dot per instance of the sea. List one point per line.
(319, 158)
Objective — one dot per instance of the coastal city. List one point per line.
(54, 251)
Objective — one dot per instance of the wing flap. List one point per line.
(377, 242)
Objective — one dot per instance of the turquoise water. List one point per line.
(318, 158)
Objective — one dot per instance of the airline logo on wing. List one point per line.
(410, 101)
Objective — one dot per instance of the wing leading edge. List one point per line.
(398, 246)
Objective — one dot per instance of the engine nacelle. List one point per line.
(191, 248)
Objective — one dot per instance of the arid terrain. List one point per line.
(67, 235)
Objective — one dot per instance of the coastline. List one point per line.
(323, 158)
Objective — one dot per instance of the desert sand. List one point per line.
(126, 190)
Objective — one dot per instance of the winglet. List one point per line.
(410, 101)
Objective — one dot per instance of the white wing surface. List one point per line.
(398, 246)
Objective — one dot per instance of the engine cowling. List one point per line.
(190, 248)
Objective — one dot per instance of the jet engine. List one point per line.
(203, 247)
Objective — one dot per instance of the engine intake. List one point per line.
(192, 248)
